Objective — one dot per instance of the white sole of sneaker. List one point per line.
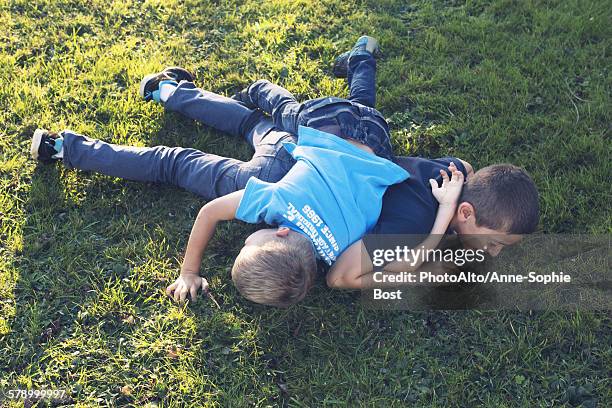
(36, 141)
(143, 83)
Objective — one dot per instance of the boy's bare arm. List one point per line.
(189, 281)
(353, 264)
(353, 270)
(443, 219)
(447, 196)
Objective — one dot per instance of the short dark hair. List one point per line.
(504, 198)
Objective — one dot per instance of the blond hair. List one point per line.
(278, 272)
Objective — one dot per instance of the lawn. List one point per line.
(84, 258)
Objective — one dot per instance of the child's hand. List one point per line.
(187, 284)
(448, 194)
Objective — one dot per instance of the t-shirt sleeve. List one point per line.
(257, 201)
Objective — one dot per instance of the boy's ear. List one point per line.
(282, 231)
(465, 211)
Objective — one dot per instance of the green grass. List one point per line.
(84, 258)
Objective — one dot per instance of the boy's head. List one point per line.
(275, 267)
(498, 204)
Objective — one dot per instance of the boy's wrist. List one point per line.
(189, 271)
(447, 206)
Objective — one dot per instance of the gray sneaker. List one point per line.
(364, 43)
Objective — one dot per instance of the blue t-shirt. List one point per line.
(333, 194)
(409, 207)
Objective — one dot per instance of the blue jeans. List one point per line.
(353, 118)
(207, 175)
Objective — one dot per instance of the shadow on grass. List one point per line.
(88, 297)
(93, 248)
(94, 245)
(89, 277)
(91, 244)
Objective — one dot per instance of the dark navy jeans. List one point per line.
(353, 118)
(208, 175)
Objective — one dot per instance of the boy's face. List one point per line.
(474, 236)
(490, 240)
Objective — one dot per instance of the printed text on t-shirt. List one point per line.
(313, 226)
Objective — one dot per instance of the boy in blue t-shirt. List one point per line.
(318, 207)
(328, 200)
(324, 193)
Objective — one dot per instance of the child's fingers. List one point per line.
(193, 292)
(184, 294)
(457, 176)
(179, 293)
(170, 289)
(434, 184)
(444, 175)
